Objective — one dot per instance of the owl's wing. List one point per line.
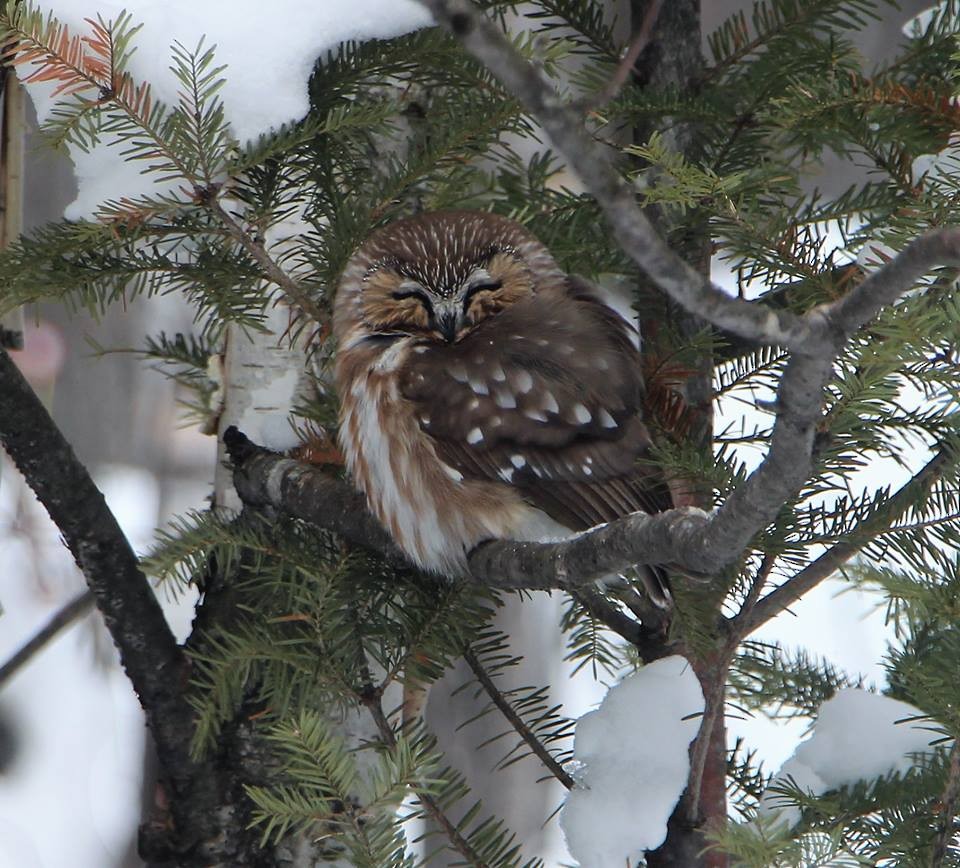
(544, 396)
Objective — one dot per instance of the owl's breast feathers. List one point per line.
(533, 418)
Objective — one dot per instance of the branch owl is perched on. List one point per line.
(485, 394)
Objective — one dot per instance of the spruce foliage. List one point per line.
(413, 123)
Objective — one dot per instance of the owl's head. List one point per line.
(439, 275)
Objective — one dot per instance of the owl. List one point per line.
(485, 393)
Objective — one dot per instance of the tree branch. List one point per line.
(514, 719)
(64, 617)
(625, 67)
(304, 491)
(837, 555)
(264, 478)
(295, 294)
(149, 653)
(592, 162)
(947, 826)
(815, 338)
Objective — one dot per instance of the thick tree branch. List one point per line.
(304, 491)
(264, 478)
(149, 653)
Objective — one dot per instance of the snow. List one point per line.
(858, 736)
(633, 764)
(269, 50)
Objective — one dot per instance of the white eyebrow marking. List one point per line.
(475, 436)
(582, 413)
(606, 420)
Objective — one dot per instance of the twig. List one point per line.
(371, 700)
(77, 607)
(948, 810)
(293, 291)
(620, 75)
(831, 560)
(149, 653)
(514, 719)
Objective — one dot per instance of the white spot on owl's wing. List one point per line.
(518, 461)
(582, 414)
(474, 436)
(523, 382)
(606, 420)
(506, 400)
(549, 403)
(479, 387)
(536, 415)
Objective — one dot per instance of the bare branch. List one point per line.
(264, 478)
(304, 491)
(885, 285)
(639, 42)
(149, 653)
(63, 618)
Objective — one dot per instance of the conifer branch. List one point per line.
(749, 619)
(625, 68)
(371, 701)
(514, 719)
(294, 292)
(592, 162)
(947, 827)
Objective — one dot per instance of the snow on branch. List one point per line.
(632, 763)
(858, 736)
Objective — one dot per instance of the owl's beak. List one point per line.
(447, 319)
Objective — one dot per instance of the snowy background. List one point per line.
(71, 733)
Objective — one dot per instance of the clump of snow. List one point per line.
(634, 764)
(915, 26)
(269, 50)
(858, 736)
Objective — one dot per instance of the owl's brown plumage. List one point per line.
(484, 392)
